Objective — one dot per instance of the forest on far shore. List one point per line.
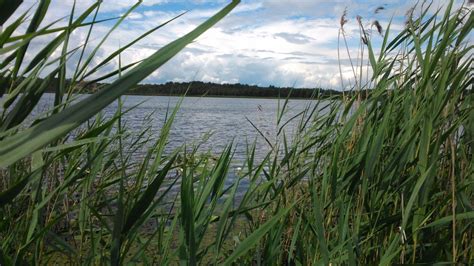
(199, 88)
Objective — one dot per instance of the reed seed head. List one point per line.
(379, 28)
(343, 20)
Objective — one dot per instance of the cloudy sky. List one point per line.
(262, 42)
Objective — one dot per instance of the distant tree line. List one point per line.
(198, 88)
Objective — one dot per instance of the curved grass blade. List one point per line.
(46, 30)
(114, 54)
(52, 45)
(147, 197)
(7, 8)
(87, 62)
(5, 34)
(255, 237)
(34, 24)
(449, 219)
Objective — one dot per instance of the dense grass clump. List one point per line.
(383, 175)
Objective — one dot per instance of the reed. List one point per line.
(380, 178)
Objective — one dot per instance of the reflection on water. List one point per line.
(225, 118)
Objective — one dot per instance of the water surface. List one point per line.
(226, 118)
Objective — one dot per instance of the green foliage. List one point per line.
(383, 176)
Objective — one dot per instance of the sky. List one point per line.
(261, 42)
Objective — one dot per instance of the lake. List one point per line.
(226, 118)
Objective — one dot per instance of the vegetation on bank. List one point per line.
(388, 179)
(199, 88)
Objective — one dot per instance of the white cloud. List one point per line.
(135, 15)
(261, 42)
